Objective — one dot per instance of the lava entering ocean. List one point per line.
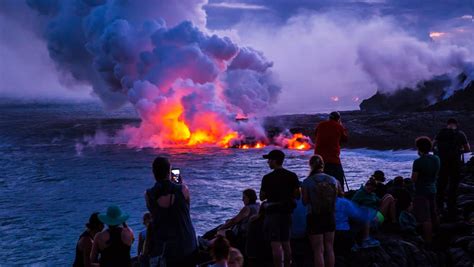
(187, 86)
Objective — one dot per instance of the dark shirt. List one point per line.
(172, 231)
(279, 187)
(449, 144)
(380, 190)
(402, 195)
(427, 167)
(117, 253)
(79, 260)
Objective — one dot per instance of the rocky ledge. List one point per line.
(377, 130)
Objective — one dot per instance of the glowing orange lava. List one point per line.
(206, 128)
(299, 141)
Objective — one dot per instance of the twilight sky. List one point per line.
(326, 54)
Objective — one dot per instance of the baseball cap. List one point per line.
(275, 154)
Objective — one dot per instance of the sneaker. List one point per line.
(370, 243)
(355, 248)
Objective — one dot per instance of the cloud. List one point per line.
(330, 61)
(26, 71)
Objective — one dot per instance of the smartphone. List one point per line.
(176, 176)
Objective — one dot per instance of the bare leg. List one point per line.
(388, 209)
(277, 254)
(318, 247)
(329, 259)
(287, 253)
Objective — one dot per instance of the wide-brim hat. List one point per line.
(114, 216)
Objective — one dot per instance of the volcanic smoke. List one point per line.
(188, 87)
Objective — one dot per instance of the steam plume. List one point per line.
(186, 85)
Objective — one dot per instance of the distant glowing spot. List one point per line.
(356, 99)
(468, 17)
(434, 35)
(243, 6)
(461, 30)
(335, 98)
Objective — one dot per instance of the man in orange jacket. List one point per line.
(329, 136)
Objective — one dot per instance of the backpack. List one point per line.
(325, 201)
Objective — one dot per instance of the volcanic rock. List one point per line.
(440, 93)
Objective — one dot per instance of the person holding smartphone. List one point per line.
(172, 234)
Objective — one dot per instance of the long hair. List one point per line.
(316, 163)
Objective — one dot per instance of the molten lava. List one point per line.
(205, 128)
(299, 141)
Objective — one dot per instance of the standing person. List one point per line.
(319, 196)
(84, 244)
(172, 236)
(114, 244)
(280, 188)
(450, 144)
(328, 138)
(142, 236)
(424, 176)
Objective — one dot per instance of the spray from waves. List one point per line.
(187, 86)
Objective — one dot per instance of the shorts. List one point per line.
(277, 227)
(424, 208)
(320, 224)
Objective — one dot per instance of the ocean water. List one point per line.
(51, 180)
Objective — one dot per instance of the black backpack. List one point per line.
(325, 202)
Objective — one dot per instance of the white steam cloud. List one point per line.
(329, 62)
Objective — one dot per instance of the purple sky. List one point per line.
(321, 50)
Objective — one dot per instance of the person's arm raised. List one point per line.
(187, 195)
(345, 134)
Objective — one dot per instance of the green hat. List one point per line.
(114, 216)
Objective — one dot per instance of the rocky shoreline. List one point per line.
(380, 130)
(453, 241)
(453, 244)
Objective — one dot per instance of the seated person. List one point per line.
(407, 220)
(401, 195)
(380, 187)
(346, 211)
(257, 249)
(235, 258)
(236, 228)
(251, 206)
(220, 250)
(366, 197)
